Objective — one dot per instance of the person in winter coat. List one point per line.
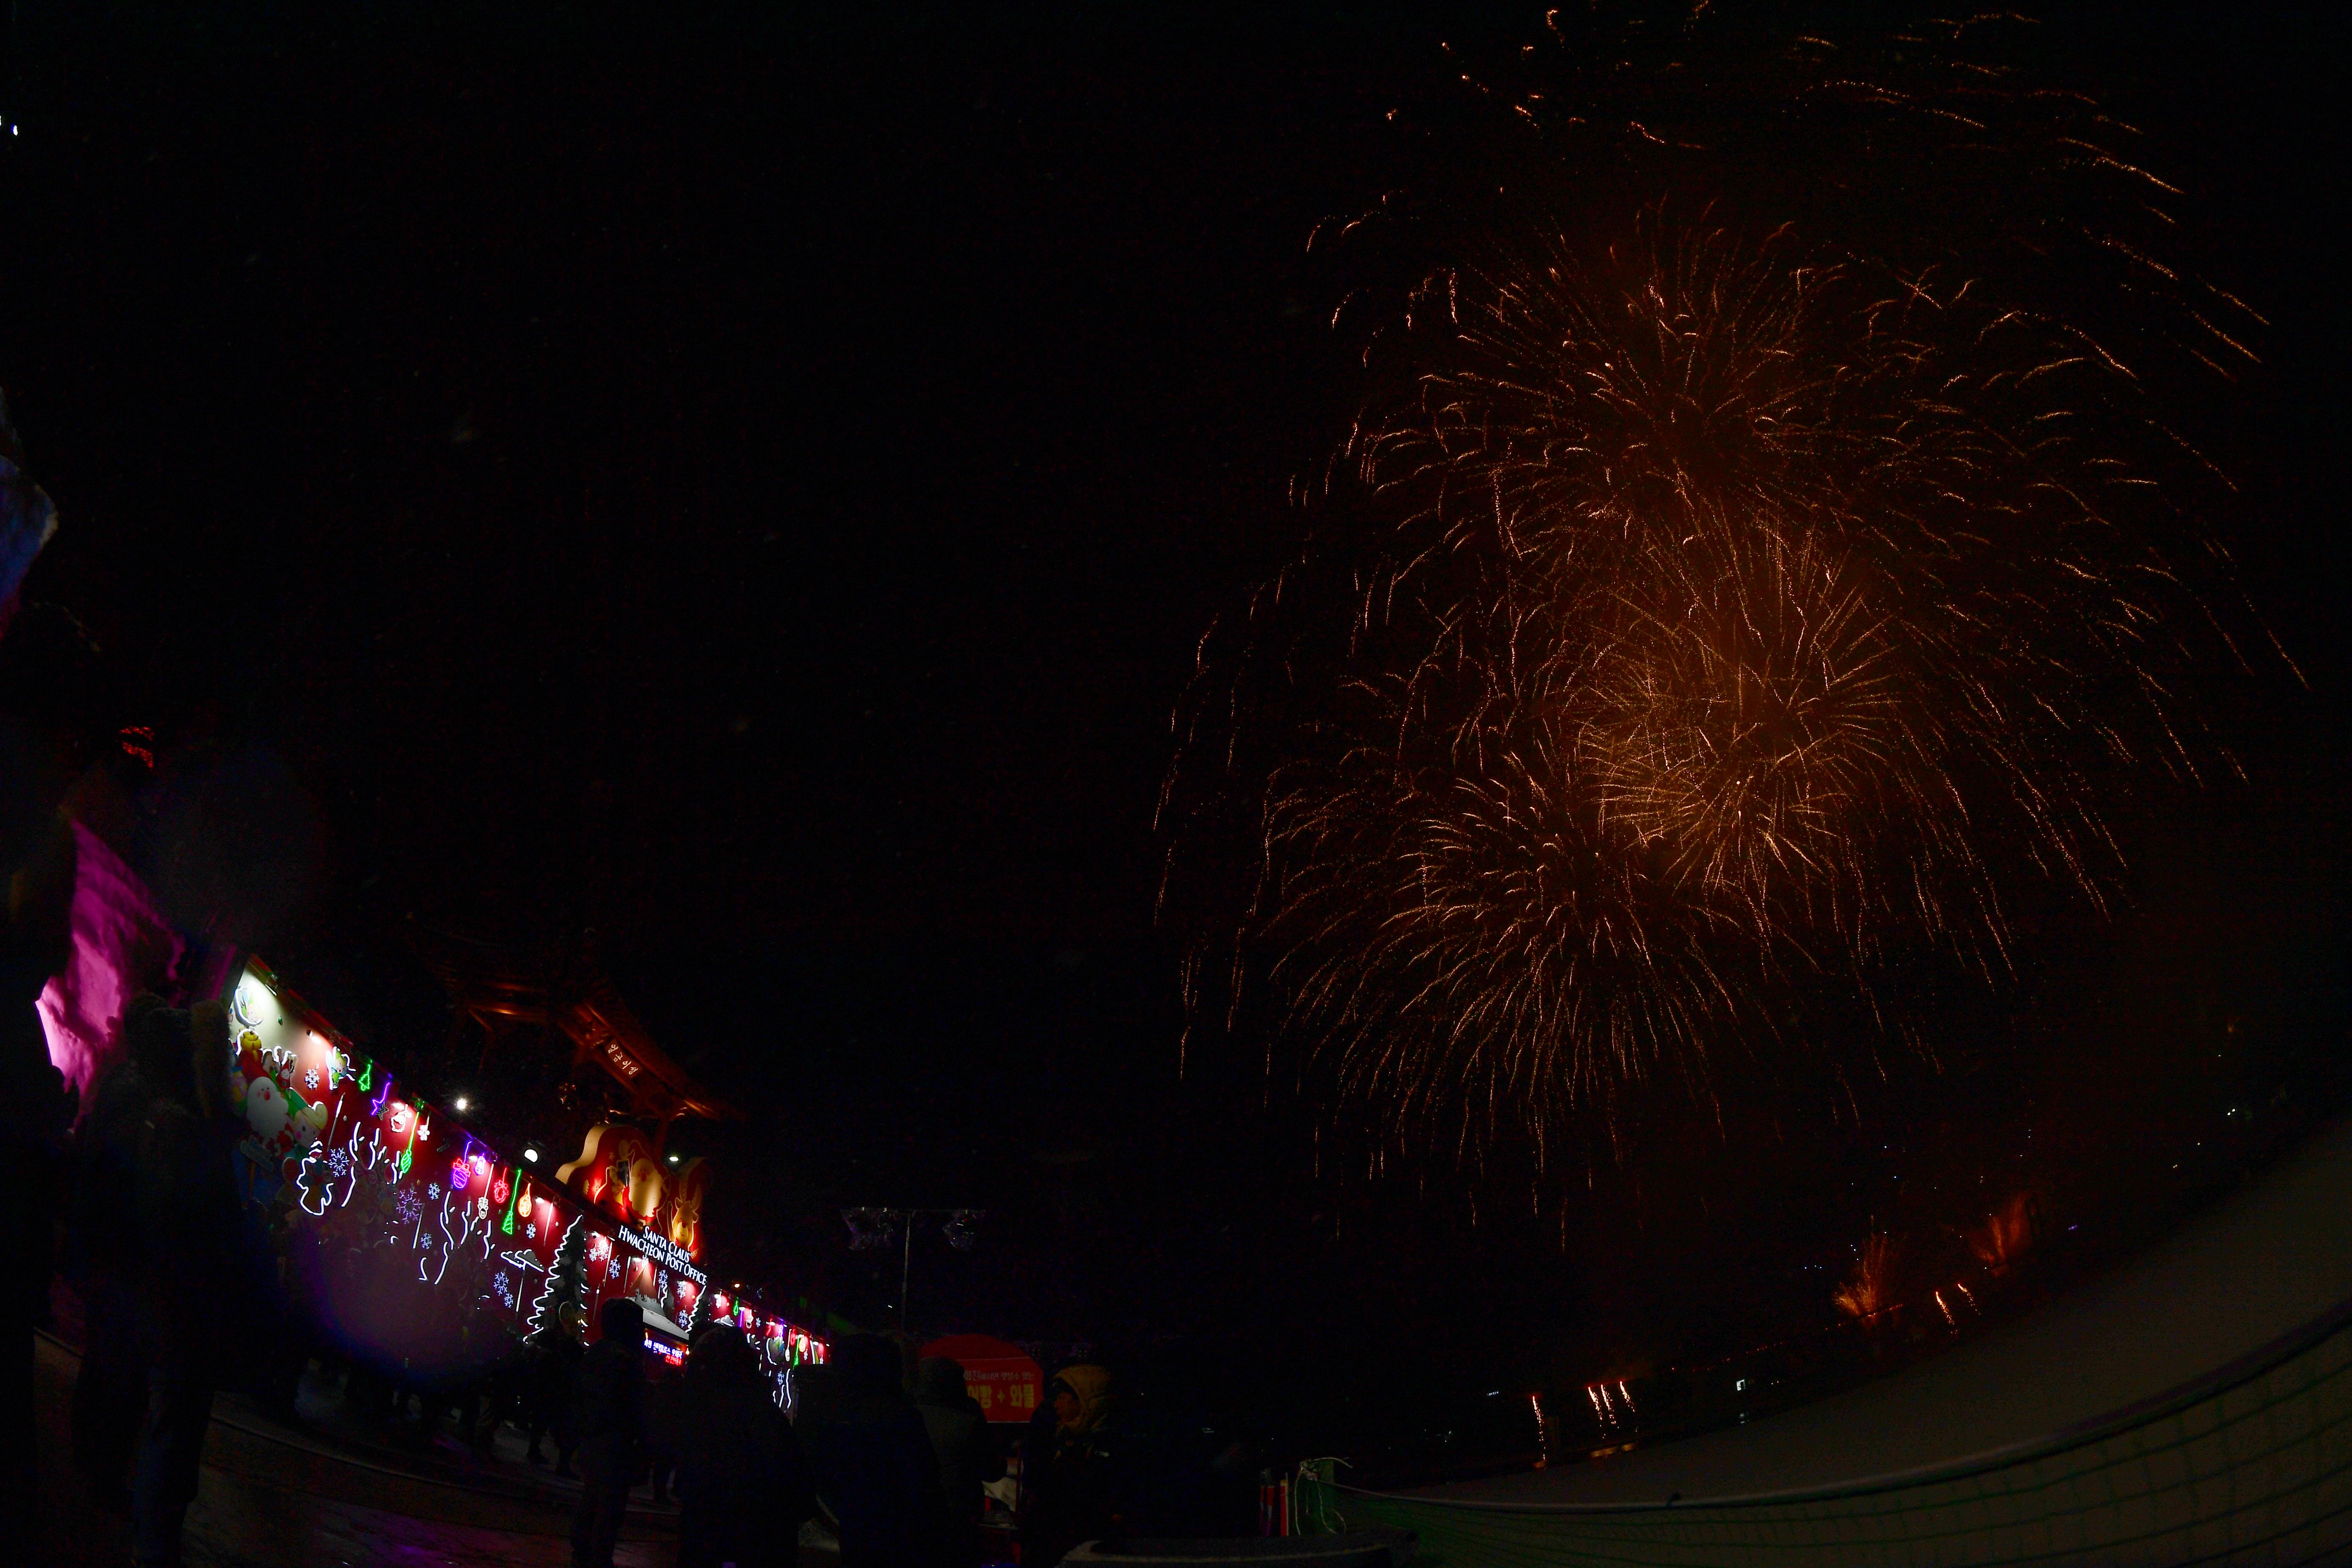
(872, 1461)
(1070, 1490)
(105, 1258)
(553, 1366)
(665, 1421)
(742, 1483)
(608, 1405)
(969, 1458)
(157, 1234)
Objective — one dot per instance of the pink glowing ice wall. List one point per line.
(122, 946)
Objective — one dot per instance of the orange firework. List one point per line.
(1867, 1291)
(1709, 611)
(2005, 1235)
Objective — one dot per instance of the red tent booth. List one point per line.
(1008, 1384)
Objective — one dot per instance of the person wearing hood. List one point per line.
(742, 1484)
(1068, 1487)
(969, 1458)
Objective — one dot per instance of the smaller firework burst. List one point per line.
(2005, 1235)
(1867, 1291)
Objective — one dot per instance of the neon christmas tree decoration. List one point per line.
(566, 1285)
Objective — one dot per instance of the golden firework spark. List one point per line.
(1869, 1289)
(2006, 1235)
(1726, 606)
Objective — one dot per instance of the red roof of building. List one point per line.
(577, 1001)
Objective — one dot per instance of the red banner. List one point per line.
(1008, 1384)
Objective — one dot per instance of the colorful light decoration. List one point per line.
(327, 1124)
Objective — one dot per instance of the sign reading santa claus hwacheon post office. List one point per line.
(653, 1251)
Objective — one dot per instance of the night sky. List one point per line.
(751, 490)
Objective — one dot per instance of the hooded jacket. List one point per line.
(1070, 1492)
(1091, 1385)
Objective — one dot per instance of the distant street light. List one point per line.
(872, 1227)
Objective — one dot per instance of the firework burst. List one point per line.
(2006, 1235)
(1868, 1290)
(1729, 607)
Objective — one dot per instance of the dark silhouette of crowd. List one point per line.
(968, 1455)
(155, 1237)
(609, 1414)
(875, 1468)
(171, 1271)
(743, 1484)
